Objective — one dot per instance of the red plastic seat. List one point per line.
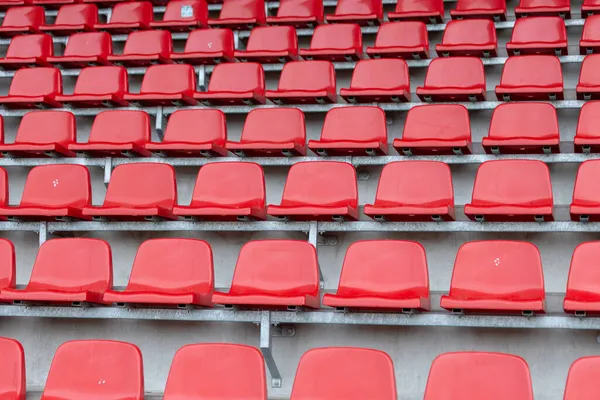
(590, 38)
(352, 131)
(581, 381)
(451, 134)
(33, 88)
(526, 8)
(428, 11)
(318, 191)
(183, 16)
(98, 87)
(83, 49)
(8, 277)
(478, 375)
(413, 191)
(348, 373)
(589, 7)
(587, 135)
(260, 281)
(234, 84)
(538, 35)
(298, 13)
(536, 77)
(240, 14)
(586, 198)
(523, 128)
(12, 379)
(339, 42)
(22, 20)
(95, 370)
(227, 192)
(166, 85)
(214, 362)
(471, 37)
(191, 133)
(128, 17)
(583, 286)
(588, 87)
(383, 275)
(305, 82)
(492, 9)
(43, 134)
(207, 46)
(378, 81)
(406, 39)
(270, 44)
(496, 276)
(144, 48)
(28, 51)
(272, 132)
(454, 79)
(362, 12)
(511, 190)
(140, 191)
(73, 18)
(67, 271)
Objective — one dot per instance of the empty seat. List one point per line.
(492, 9)
(144, 48)
(496, 276)
(587, 135)
(234, 84)
(183, 16)
(33, 88)
(588, 87)
(339, 42)
(227, 192)
(22, 20)
(8, 277)
(586, 198)
(98, 87)
(471, 37)
(272, 132)
(73, 18)
(28, 51)
(383, 275)
(128, 17)
(581, 379)
(589, 7)
(428, 11)
(362, 12)
(450, 134)
(67, 271)
(240, 14)
(523, 128)
(413, 191)
(191, 133)
(270, 44)
(96, 369)
(305, 82)
(298, 13)
(83, 49)
(511, 190)
(166, 85)
(538, 35)
(454, 79)
(583, 286)
(590, 38)
(349, 373)
(536, 77)
(318, 191)
(274, 274)
(543, 7)
(352, 131)
(378, 81)
(207, 46)
(140, 191)
(12, 379)
(478, 375)
(406, 39)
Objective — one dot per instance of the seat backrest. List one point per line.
(307, 75)
(210, 40)
(149, 43)
(274, 125)
(89, 44)
(524, 119)
(43, 127)
(26, 46)
(380, 74)
(586, 191)
(359, 7)
(532, 70)
(404, 33)
(451, 122)
(539, 29)
(301, 8)
(205, 371)
(3, 187)
(272, 38)
(591, 28)
(237, 78)
(57, 186)
(130, 12)
(589, 75)
(77, 14)
(455, 72)
(169, 79)
(12, 369)
(196, 126)
(186, 10)
(362, 123)
(96, 370)
(8, 276)
(348, 373)
(470, 31)
(581, 381)
(121, 126)
(584, 274)
(24, 16)
(589, 120)
(36, 82)
(337, 36)
(102, 80)
(243, 9)
(478, 375)
(142, 185)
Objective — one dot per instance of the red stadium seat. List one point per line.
(217, 364)
(589, 7)
(538, 35)
(378, 81)
(543, 7)
(581, 379)
(73, 18)
(492, 9)
(33, 88)
(471, 37)
(406, 39)
(383, 275)
(234, 84)
(22, 20)
(183, 16)
(305, 82)
(352, 131)
(523, 128)
(144, 48)
(583, 287)
(43, 134)
(590, 38)
(67, 271)
(586, 198)
(227, 192)
(207, 46)
(270, 45)
(83, 49)
(259, 280)
(588, 87)
(272, 132)
(362, 12)
(240, 14)
(496, 276)
(340, 42)
(28, 51)
(413, 191)
(109, 370)
(98, 87)
(192, 133)
(511, 190)
(128, 17)
(428, 11)
(536, 77)
(450, 135)
(348, 373)
(478, 375)
(298, 13)
(140, 191)
(454, 79)
(166, 85)
(587, 136)
(12, 369)
(318, 191)
(8, 277)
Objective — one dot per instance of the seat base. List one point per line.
(267, 57)
(297, 22)
(588, 213)
(586, 144)
(301, 96)
(497, 14)
(471, 50)
(528, 93)
(266, 149)
(405, 213)
(553, 49)
(433, 17)
(265, 300)
(376, 303)
(50, 296)
(178, 26)
(396, 95)
(432, 146)
(404, 52)
(109, 150)
(313, 213)
(521, 146)
(495, 306)
(27, 102)
(11, 64)
(35, 150)
(432, 94)
(77, 62)
(360, 19)
(186, 149)
(334, 55)
(128, 213)
(92, 101)
(215, 213)
(235, 23)
(202, 58)
(580, 307)
(42, 214)
(138, 60)
(348, 148)
(160, 99)
(230, 98)
(563, 12)
(509, 213)
(156, 298)
(121, 28)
